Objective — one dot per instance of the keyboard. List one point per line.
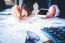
(57, 33)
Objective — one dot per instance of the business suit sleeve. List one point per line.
(2, 4)
(61, 6)
(28, 4)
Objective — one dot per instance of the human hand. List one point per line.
(51, 12)
(19, 13)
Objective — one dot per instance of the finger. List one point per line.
(15, 11)
(51, 11)
(23, 12)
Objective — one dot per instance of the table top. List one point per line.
(12, 29)
(35, 21)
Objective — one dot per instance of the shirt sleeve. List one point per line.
(28, 4)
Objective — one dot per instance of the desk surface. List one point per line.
(12, 28)
(34, 21)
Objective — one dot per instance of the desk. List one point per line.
(11, 30)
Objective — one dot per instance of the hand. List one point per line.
(51, 12)
(48, 41)
(19, 13)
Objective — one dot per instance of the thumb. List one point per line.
(23, 12)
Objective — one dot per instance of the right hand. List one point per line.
(19, 13)
(51, 12)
